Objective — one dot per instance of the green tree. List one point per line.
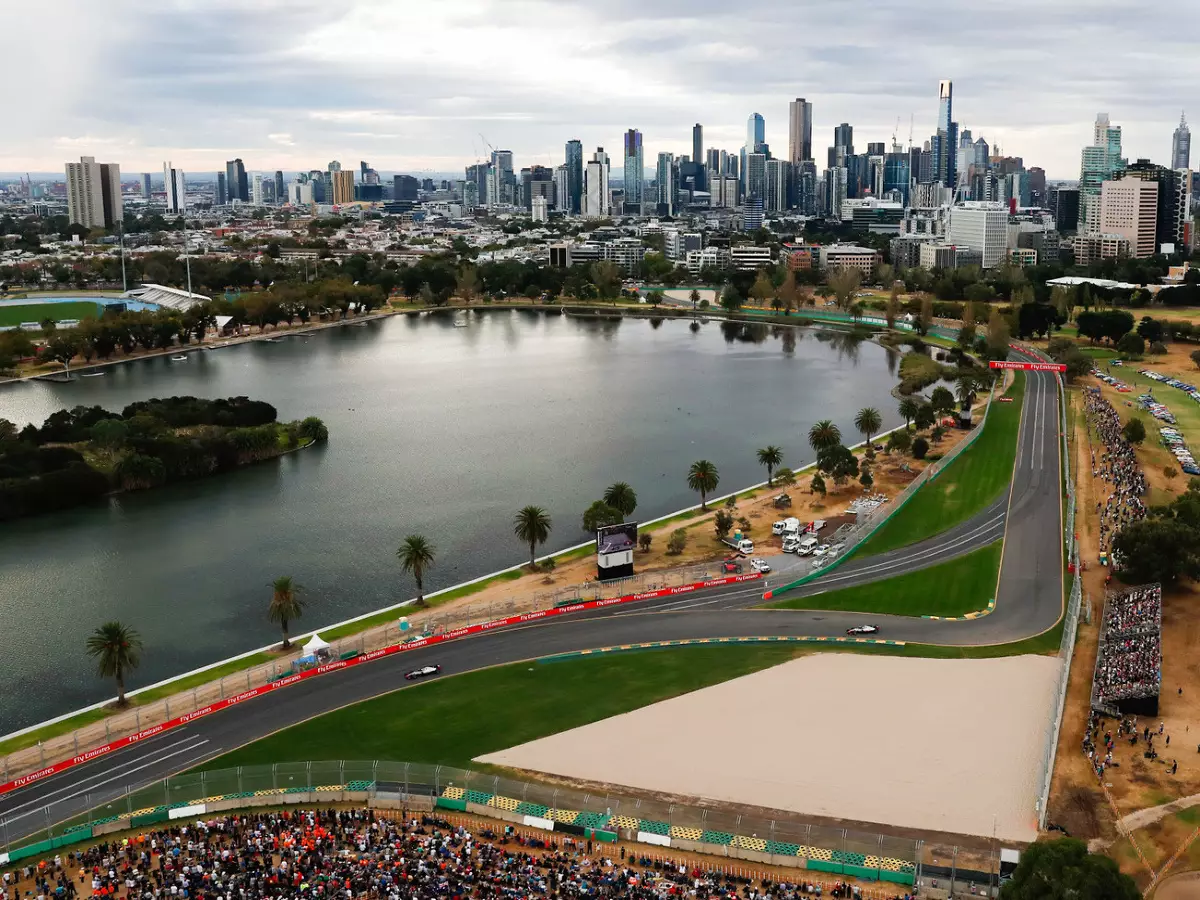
(427, 296)
(925, 417)
(1134, 431)
(818, 484)
(770, 456)
(824, 434)
(731, 300)
(866, 479)
(838, 463)
(532, 526)
(1064, 870)
(313, 429)
(844, 283)
(919, 448)
(892, 310)
(607, 277)
(868, 422)
(117, 649)
(654, 298)
(762, 288)
(1194, 356)
(908, 409)
(286, 605)
(619, 495)
(964, 390)
(694, 296)
(703, 478)
(645, 539)
(677, 541)
(1131, 344)
(600, 515)
(416, 556)
(998, 335)
(785, 476)
(723, 523)
(899, 440)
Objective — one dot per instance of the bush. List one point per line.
(645, 539)
(1134, 431)
(899, 440)
(1132, 344)
(919, 448)
(313, 429)
(723, 523)
(677, 541)
(1158, 347)
(785, 476)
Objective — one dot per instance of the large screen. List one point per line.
(616, 538)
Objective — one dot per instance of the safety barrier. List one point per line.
(336, 665)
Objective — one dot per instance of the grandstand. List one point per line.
(1128, 674)
(165, 297)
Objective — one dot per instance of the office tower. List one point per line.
(945, 140)
(1129, 208)
(146, 185)
(573, 200)
(1064, 204)
(1181, 146)
(280, 190)
(697, 143)
(799, 131)
(221, 197)
(712, 161)
(476, 175)
(256, 190)
(752, 214)
(755, 133)
(343, 187)
(502, 189)
(404, 187)
(363, 168)
(835, 191)
(980, 227)
(664, 184)
(236, 183)
(982, 155)
(1174, 189)
(756, 174)
(176, 189)
(843, 136)
(778, 177)
(896, 174)
(804, 192)
(93, 193)
(596, 197)
(1100, 162)
(562, 188)
(1037, 186)
(634, 171)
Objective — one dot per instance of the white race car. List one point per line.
(423, 672)
(863, 629)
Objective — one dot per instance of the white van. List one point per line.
(807, 545)
(791, 526)
(745, 545)
(791, 543)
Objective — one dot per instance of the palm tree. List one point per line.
(620, 495)
(770, 456)
(532, 525)
(704, 478)
(416, 555)
(285, 605)
(964, 390)
(824, 434)
(908, 410)
(117, 649)
(868, 421)
(694, 296)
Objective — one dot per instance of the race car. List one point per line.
(862, 629)
(423, 672)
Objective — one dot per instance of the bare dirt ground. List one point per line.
(949, 779)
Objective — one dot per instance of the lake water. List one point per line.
(436, 429)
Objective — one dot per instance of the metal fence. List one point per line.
(421, 623)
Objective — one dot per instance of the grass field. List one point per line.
(36, 312)
(977, 477)
(951, 588)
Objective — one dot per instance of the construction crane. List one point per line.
(489, 144)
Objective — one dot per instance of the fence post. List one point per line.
(274, 776)
(247, 681)
(342, 772)
(406, 782)
(308, 774)
(106, 737)
(195, 702)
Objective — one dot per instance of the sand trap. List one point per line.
(919, 743)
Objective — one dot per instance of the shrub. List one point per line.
(645, 539)
(919, 448)
(723, 523)
(677, 541)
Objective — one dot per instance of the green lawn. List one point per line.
(36, 312)
(951, 588)
(977, 477)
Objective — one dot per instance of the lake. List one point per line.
(435, 429)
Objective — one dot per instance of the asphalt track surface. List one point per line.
(1029, 601)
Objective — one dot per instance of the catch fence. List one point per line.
(420, 623)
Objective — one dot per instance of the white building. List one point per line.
(541, 209)
(749, 257)
(982, 227)
(597, 200)
(723, 192)
(626, 252)
(300, 193)
(256, 190)
(1129, 208)
(175, 188)
(715, 257)
(93, 193)
(849, 256)
(1093, 247)
(937, 256)
(562, 189)
(677, 244)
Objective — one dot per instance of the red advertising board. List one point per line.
(1028, 366)
(123, 742)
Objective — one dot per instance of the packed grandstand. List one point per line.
(1128, 673)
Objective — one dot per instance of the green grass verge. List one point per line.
(12, 745)
(977, 477)
(952, 588)
(36, 312)
(201, 678)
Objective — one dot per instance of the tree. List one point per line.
(824, 434)
(703, 478)
(998, 335)
(117, 649)
(1195, 357)
(908, 410)
(1134, 431)
(899, 440)
(966, 334)
(416, 555)
(468, 282)
(892, 310)
(868, 422)
(655, 298)
(925, 416)
(919, 448)
(723, 523)
(925, 318)
(600, 515)
(694, 296)
(818, 484)
(286, 605)
(770, 456)
(844, 283)
(1151, 329)
(762, 288)
(1064, 870)
(677, 541)
(619, 495)
(645, 539)
(731, 300)
(1131, 344)
(964, 390)
(606, 276)
(866, 479)
(941, 400)
(788, 293)
(63, 348)
(532, 526)
(838, 463)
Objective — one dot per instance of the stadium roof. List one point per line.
(1072, 280)
(168, 297)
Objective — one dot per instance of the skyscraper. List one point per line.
(1181, 146)
(698, 143)
(562, 188)
(634, 171)
(799, 131)
(1100, 163)
(843, 136)
(945, 141)
(775, 184)
(664, 183)
(236, 182)
(756, 175)
(596, 193)
(573, 201)
(755, 133)
(94, 193)
(343, 186)
(256, 190)
(146, 185)
(280, 190)
(222, 195)
(175, 187)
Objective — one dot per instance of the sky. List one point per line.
(428, 85)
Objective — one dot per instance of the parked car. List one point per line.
(423, 672)
(863, 629)
(760, 565)
(821, 550)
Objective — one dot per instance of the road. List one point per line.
(1029, 601)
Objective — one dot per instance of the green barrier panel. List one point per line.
(862, 872)
(821, 865)
(30, 850)
(152, 818)
(607, 837)
(447, 803)
(897, 877)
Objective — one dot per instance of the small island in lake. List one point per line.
(82, 454)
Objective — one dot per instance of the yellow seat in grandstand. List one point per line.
(268, 793)
(817, 853)
(505, 803)
(685, 833)
(748, 843)
(566, 816)
(628, 822)
(450, 793)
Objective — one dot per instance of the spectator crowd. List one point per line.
(360, 853)
(1117, 466)
(1129, 659)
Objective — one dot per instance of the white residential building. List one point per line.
(982, 227)
(300, 193)
(715, 257)
(1129, 208)
(256, 191)
(749, 257)
(849, 256)
(175, 187)
(677, 244)
(94, 193)
(597, 199)
(541, 209)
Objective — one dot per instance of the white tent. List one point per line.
(314, 644)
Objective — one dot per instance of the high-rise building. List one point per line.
(236, 182)
(573, 199)
(664, 184)
(1174, 190)
(1063, 202)
(562, 188)
(945, 140)
(94, 193)
(222, 195)
(1100, 162)
(756, 135)
(280, 190)
(982, 228)
(843, 137)
(343, 186)
(1037, 186)
(504, 180)
(256, 190)
(176, 189)
(634, 172)
(146, 185)
(804, 177)
(756, 176)
(799, 131)
(1129, 208)
(596, 199)
(778, 176)
(835, 190)
(698, 143)
(1181, 145)
(405, 187)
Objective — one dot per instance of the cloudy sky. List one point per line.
(423, 85)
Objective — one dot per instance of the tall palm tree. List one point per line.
(117, 649)
(532, 525)
(286, 605)
(770, 456)
(823, 435)
(703, 478)
(964, 390)
(620, 495)
(908, 410)
(868, 421)
(694, 296)
(416, 555)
